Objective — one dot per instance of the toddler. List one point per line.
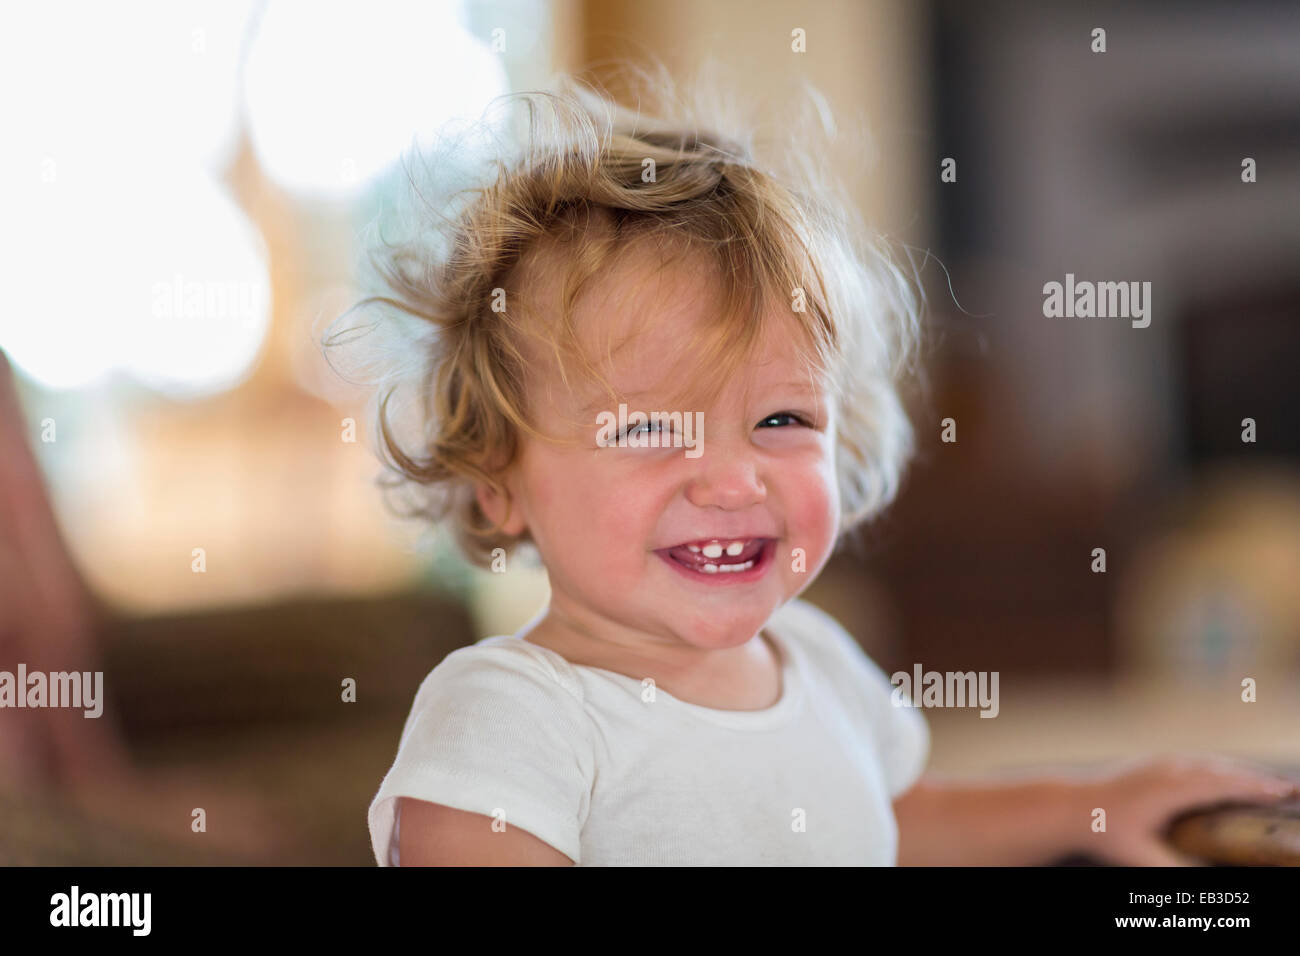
(672, 371)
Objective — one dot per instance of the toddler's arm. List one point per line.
(991, 822)
(434, 835)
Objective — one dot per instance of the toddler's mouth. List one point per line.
(729, 559)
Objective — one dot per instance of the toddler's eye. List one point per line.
(645, 428)
(797, 419)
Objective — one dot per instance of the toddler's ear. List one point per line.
(495, 506)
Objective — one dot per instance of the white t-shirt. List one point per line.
(575, 756)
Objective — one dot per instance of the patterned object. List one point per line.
(1241, 834)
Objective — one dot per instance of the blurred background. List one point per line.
(186, 187)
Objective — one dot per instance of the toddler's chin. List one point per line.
(721, 628)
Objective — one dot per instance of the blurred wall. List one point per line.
(867, 56)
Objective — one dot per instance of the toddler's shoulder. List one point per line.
(495, 724)
(511, 658)
(501, 675)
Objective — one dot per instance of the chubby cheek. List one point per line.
(593, 524)
(810, 495)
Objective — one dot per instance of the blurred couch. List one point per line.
(248, 701)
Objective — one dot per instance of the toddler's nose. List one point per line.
(728, 478)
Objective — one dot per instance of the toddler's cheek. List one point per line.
(606, 526)
(816, 510)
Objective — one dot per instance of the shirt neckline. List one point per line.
(784, 710)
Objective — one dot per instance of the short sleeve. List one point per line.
(496, 731)
(901, 731)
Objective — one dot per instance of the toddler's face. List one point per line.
(628, 534)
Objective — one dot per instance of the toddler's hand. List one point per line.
(1141, 797)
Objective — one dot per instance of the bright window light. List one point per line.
(336, 93)
(112, 91)
(121, 252)
(167, 284)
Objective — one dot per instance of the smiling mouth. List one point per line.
(720, 557)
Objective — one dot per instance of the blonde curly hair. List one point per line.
(586, 178)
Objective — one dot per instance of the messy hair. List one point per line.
(582, 180)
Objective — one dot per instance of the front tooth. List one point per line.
(713, 550)
(711, 569)
(735, 548)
